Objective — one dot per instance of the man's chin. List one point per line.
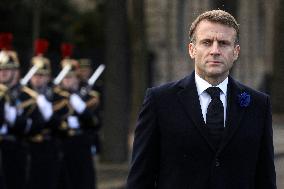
(217, 73)
(213, 73)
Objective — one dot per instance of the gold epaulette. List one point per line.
(30, 91)
(94, 93)
(61, 92)
(31, 102)
(27, 103)
(94, 100)
(60, 104)
(3, 87)
(3, 90)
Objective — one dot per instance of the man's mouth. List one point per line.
(214, 62)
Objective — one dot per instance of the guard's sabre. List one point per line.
(96, 75)
(62, 74)
(30, 73)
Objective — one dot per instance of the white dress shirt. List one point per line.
(204, 97)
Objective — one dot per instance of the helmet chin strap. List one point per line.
(71, 89)
(40, 89)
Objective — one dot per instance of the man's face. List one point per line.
(7, 76)
(214, 50)
(70, 83)
(39, 80)
(85, 73)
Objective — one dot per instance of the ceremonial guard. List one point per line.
(88, 88)
(44, 151)
(3, 90)
(20, 114)
(85, 69)
(77, 119)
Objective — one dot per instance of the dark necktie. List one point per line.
(215, 115)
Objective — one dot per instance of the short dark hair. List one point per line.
(217, 16)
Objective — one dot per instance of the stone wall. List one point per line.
(168, 21)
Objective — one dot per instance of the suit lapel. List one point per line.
(189, 99)
(234, 113)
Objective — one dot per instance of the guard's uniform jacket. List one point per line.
(92, 96)
(44, 151)
(77, 162)
(14, 144)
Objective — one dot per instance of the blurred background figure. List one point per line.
(86, 70)
(18, 118)
(43, 146)
(77, 119)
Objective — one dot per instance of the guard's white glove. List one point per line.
(73, 122)
(77, 103)
(45, 107)
(10, 113)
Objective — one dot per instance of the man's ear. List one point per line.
(191, 50)
(236, 52)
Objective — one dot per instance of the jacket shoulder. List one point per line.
(167, 88)
(252, 91)
(258, 98)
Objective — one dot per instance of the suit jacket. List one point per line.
(173, 150)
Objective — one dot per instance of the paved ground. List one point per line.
(112, 176)
(279, 155)
(279, 163)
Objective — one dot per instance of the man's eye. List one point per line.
(207, 43)
(223, 43)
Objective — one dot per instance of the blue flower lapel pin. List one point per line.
(244, 99)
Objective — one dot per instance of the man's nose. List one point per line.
(215, 49)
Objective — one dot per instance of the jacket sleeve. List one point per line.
(265, 170)
(145, 165)
(2, 102)
(28, 124)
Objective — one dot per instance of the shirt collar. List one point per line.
(202, 85)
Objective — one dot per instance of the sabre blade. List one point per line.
(29, 75)
(96, 74)
(62, 74)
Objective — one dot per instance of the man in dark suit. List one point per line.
(206, 131)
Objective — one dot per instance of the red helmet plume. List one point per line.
(6, 41)
(41, 46)
(66, 50)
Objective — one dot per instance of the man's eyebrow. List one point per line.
(224, 40)
(219, 40)
(206, 39)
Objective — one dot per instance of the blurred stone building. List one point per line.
(168, 22)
